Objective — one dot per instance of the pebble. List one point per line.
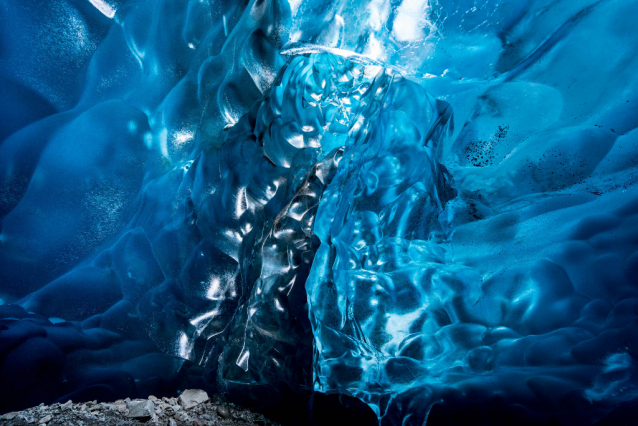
(10, 416)
(223, 412)
(192, 397)
(45, 419)
(182, 417)
(141, 409)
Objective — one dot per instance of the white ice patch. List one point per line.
(411, 20)
(103, 7)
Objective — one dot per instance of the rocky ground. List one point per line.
(192, 407)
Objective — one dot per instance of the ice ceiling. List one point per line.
(427, 205)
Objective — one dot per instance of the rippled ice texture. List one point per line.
(428, 205)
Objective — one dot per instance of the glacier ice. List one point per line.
(424, 206)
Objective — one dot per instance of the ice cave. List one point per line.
(363, 212)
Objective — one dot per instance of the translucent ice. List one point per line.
(426, 205)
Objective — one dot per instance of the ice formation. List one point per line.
(428, 206)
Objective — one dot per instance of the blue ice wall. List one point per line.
(425, 205)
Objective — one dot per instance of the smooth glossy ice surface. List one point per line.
(427, 205)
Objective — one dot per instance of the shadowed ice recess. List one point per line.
(428, 206)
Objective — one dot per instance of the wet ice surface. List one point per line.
(429, 206)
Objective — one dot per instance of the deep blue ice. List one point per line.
(428, 206)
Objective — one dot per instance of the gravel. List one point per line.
(193, 407)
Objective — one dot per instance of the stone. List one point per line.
(223, 412)
(192, 397)
(45, 419)
(10, 416)
(140, 409)
(182, 417)
(172, 422)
